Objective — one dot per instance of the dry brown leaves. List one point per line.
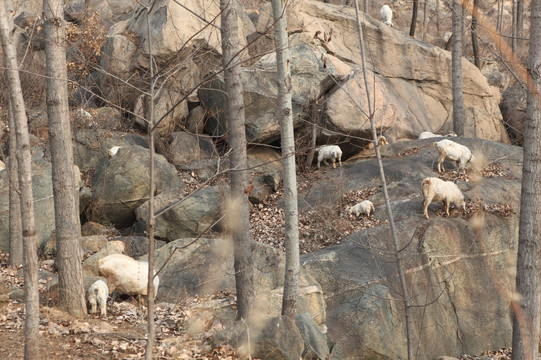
(499, 209)
(494, 169)
(501, 354)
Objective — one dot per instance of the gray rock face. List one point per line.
(189, 218)
(315, 342)
(455, 265)
(309, 77)
(275, 338)
(121, 184)
(42, 188)
(92, 146)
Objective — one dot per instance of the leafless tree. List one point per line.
(526, 320)
(285, 115)
(397, 254)
(71, 296)
(238, 174)
(24, 159)
(414, 11)
(15, 224)
(456, 68)
(474, 35)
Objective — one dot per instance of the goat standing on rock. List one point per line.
(327, 152)
(386, 15)
(453, 151)
(435, 189)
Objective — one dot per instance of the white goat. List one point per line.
(2, 165)
(382, 140)
(364, 207)
(114, 150)
(386, 15)
(428, 135)
(97, 295)
(453, 151)
(435, 189)
(126, 275)
(327, 152)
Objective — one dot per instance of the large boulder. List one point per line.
(92, 146)
(42, 188)
(412, 79)
(122, 184)
(205, 266)
(457, 267)
(192, 215)
(310, 79)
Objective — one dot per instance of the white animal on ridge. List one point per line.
(435, 189)
(453, 151)
(97, 295)
(326, 152)
(364, 207)
(428, 135)
(114, 150)
(386, 15)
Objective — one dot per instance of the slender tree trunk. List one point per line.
(151, 216)
(474, 39)
(15, 222)
(397, 246)
(24, 159)
(291, 283)
(71, 297)
(414, 18)
(424, 19)
(244, 271)
(514, 27)
(458, 102)
(526, 320)
(520, 18)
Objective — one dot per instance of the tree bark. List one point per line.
(474, 39)
(71, 297)
(414, 17)
(458, 101)
(283, 77)
(526, 319)
(24, 159)
(15, 222)
(242, 242)
(151, 216)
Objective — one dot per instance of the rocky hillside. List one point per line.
(457, 267)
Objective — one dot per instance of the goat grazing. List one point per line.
(126, 275)
(97, 295)
(364, 207)
(429, 135)
(435, 189)
(327, 152)
(453, 151)
(386, 15)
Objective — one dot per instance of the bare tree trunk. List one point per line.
(151, 216)
(424, 19)
(520, 18)
(438, 16)
(15, 222)
(71, 296)
(244, 271)
(526, 320)
(283, 77)
(397, 247)
(474, 39)
(458, 101)
(414, 18)
(24, 159)
(514, 27)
